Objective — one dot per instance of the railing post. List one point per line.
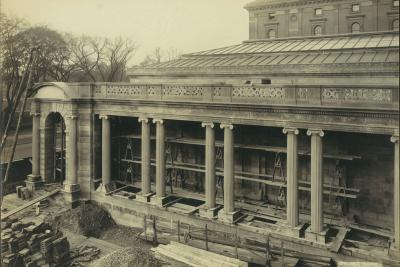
(206, 237)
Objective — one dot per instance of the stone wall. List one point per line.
(336, 18)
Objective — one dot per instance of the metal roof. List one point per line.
(323, 51)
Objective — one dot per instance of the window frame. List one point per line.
(269, 31)
(321, 30)
(318, 9)
(355, 5)
(359, 27)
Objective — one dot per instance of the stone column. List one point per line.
(146, 183)
(34, 179)
(292, 207)
(105, 150)
(209, 209)
(160, 162)
(210, 165)
(396, 191)
(228, 213)
(71, 185)
(317, 219)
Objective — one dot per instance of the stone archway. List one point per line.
(54, 148)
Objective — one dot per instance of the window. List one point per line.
(318, 11)
(265, 81)
(355, 7)
(272, 34)
(271, 15)
(318, 30)
(396, 3)
(355, 27)
(395, 25)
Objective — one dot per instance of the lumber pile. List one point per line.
(195, 257)
(29, 244)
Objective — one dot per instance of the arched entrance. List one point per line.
(54, 146)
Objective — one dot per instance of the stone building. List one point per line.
(271, 19)
(296, 136)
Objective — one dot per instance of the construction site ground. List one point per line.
(118, 245)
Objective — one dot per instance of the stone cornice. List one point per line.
(285, 4)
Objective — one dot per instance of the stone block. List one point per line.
(144, 197)
(316, 237)
(209, 213)
(228, 217)
(159, 201)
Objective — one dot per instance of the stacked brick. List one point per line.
(32, 245)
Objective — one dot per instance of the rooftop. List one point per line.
(324, 51)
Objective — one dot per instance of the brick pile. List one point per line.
(32, 245)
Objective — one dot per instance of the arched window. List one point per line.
(317, 30)
(395, 25)
(355, 27)
(272, 34)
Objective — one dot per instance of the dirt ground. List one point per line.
(90, 225)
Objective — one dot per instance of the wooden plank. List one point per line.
(30, 203)
(117, 190)
(341, 191)
(337, 244)
(275, 149)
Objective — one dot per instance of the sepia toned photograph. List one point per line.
(199, 133)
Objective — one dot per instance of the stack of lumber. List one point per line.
(195, 257)
(27, 244)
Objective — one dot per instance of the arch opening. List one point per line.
(54, 147)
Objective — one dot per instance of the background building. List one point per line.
(269, 19)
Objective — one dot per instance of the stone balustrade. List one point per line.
(371, 97)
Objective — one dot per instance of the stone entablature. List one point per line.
(365, 97)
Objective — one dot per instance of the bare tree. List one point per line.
(159, 55)
(102, 59)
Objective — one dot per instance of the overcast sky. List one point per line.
(187, 25)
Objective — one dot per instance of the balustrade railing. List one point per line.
(329, 95)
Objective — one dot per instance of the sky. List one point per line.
(185, 25)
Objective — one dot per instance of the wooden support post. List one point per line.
(206, 237)
(282, 254)
(267, 254)
(179, 231)
(155, 242)
(145, 226)
(236, 244)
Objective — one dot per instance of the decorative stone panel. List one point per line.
(259, 92)
(183, 91)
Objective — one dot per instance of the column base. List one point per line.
(144, 197)
(105, 188)
(33, 182)
(159, 201)
(229, 217)
(71, 194)
(209, 213)
(316, 237)
(293, 231)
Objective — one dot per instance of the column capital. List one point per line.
(35, 114)
(315, 132)
(105, 117)
(226, 126)
(394, 138)
(207, 124)
(143, 119)
(290, 130)
(161, 121)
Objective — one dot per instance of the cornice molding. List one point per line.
(263, 6)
